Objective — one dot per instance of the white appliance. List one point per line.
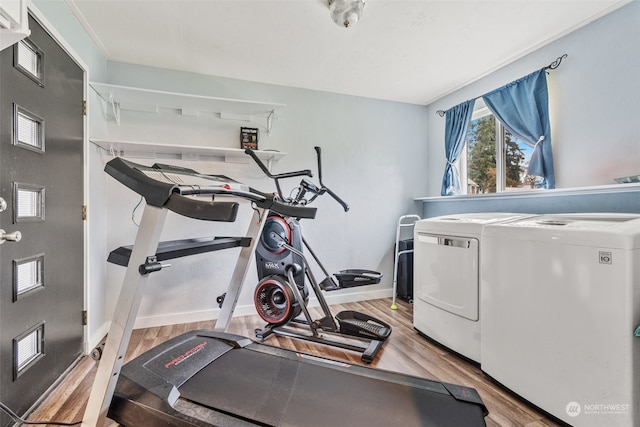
(446, 278)
(560, 302)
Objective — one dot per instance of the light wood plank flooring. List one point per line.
(405, 351)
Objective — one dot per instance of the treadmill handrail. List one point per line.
(157, 192)
(154, 192)
(201, 209)
(172, 195)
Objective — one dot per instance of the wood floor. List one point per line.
(405, 351)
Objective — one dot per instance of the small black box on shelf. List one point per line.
(249, 138)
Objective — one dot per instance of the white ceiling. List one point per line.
(410, 51)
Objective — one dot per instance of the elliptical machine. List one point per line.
(282, 294)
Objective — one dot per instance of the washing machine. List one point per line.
(560, 303)
(446, 278)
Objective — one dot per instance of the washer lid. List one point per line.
(464, 224)
(588, 229)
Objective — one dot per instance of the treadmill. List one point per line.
(213, 378)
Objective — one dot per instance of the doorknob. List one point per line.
(16, 236)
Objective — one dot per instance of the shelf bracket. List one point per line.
(270, 121)
(114, 152)
(115, 108)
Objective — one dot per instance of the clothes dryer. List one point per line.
(560, 302)
(446, 278)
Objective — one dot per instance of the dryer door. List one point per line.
(446, 273)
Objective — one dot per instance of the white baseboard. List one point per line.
(340, 297)
(96, 338)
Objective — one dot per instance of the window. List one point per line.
(28, 275)
(28, 202)
(28, 129)
(29, 59)
(28, 348)
(496, 160)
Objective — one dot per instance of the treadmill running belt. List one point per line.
(280, 391)
(208, 378)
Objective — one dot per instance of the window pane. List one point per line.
(27, 349)
(481, 155)
(28, 202)
(28, 275)
(517, 156)
(28, 130)
(28, 58)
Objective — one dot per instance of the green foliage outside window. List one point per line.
(481, 158)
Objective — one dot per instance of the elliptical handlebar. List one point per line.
(305, 186)
(277, 177)
(305, 172)
(324, 188)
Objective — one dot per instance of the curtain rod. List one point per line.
(555, 64)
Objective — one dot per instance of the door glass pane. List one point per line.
(29, 59)
(28, 275)
(27, 349)
(28, 130)
(28, 203)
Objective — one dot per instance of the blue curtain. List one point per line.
(522, 107)
(455, 133)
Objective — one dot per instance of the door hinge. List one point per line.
(84, 318)
(84, 108)
(84, 212)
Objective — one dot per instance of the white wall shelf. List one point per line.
(120, 98)
(147, 150)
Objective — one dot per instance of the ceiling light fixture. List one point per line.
(345, 13)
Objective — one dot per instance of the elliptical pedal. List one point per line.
(369, 327)
(362, 325)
